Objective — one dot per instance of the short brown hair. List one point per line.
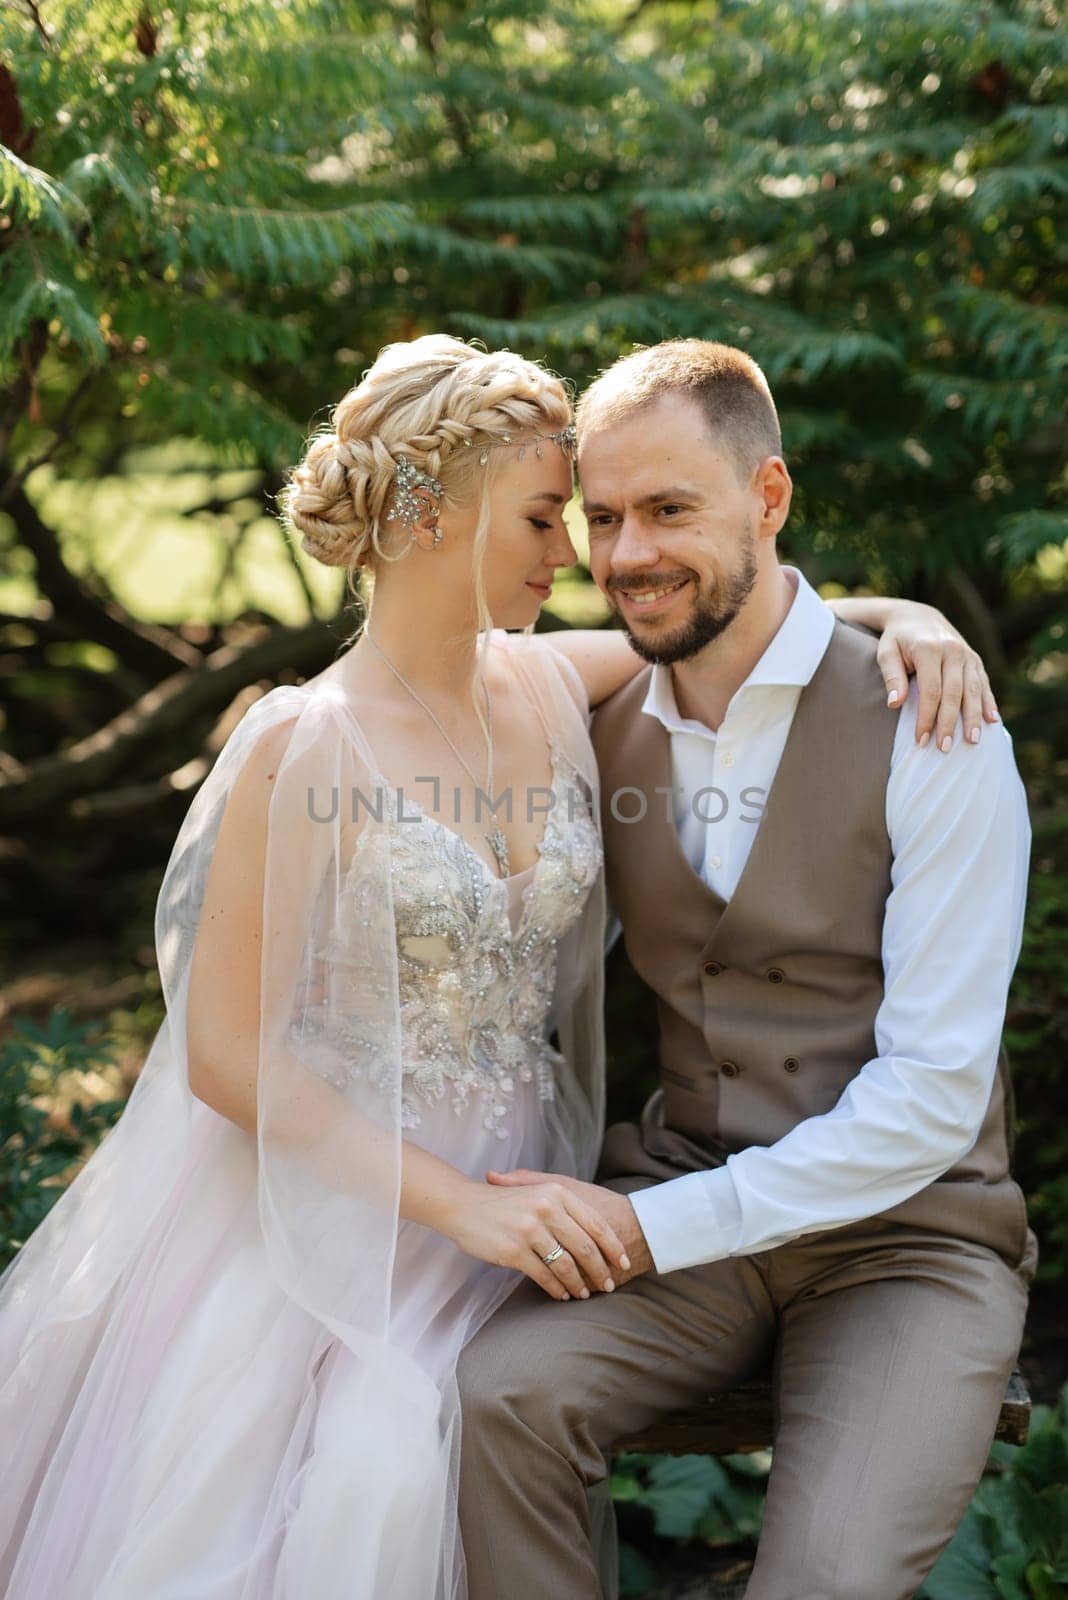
(727, 384)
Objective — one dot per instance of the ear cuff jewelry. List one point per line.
(407, 507)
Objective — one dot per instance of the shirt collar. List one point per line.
(790, 659)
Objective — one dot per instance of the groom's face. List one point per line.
(672, 530)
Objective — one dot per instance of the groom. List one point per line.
(828, 915)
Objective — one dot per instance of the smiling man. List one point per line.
(821, 1179)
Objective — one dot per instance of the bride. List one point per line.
(227, 1355)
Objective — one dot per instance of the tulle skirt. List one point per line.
(199, 1436)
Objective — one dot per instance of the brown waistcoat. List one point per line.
(767, 1003)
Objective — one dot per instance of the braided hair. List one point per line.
(433, 401)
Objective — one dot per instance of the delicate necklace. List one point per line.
(496, 840)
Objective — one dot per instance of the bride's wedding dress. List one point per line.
(226, 1369)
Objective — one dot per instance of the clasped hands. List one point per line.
(604, 1245)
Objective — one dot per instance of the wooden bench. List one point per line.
(741, 1421)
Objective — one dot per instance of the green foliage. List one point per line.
(1013, 1541)
(224, 206)
(717, 1500)
(1011, 1545)
(39, 1149)
(171, 225)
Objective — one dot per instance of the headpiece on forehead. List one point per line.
(408, 507)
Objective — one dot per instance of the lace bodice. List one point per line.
(475, 990)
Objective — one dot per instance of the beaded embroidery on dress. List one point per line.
(476, 993)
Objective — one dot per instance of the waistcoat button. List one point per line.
(776, 975)
(730, 1069)
(713, 969)
(791, 1064)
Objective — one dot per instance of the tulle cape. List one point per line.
(216, 1377)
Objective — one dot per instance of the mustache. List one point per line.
(654, 580)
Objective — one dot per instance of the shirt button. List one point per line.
(791, 1064)
(713, 969)
(729, 1069)
(727, 759)
(776, 975)
(717, 861)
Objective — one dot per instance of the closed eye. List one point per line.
(539, 522)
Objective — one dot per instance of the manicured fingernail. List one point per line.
(565, 1295)
(946, 745)
(925, 740)
(892, 697)
(974, 736)
(608, 1286)
(624, 1262)
(585, 1294)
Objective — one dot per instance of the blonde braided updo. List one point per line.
(434, 401)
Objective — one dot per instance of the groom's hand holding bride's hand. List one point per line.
(615, 1210)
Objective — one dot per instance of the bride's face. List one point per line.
(528, 541)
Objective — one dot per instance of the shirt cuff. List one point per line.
(690, 1220)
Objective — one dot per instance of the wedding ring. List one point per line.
(553, 1255)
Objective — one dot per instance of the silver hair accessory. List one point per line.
(407, 508)
(566, 438)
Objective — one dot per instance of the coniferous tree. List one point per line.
(215, 215)
(867, 197)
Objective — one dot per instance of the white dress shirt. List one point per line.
(960, 838)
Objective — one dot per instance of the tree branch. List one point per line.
(153, 652)
(427, 31)
(273, 486)
(976, 619)
(61, 433)
(38, 21)
(18, 396)
(160, 717)
(1019, 623)
(41, 621)
(139, 803)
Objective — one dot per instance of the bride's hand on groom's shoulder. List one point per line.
(951, 680)
(614, 1210)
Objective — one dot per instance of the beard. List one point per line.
(714, 609)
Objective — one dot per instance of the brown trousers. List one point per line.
(891, 1347)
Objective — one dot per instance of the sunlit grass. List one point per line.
(164, 562)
